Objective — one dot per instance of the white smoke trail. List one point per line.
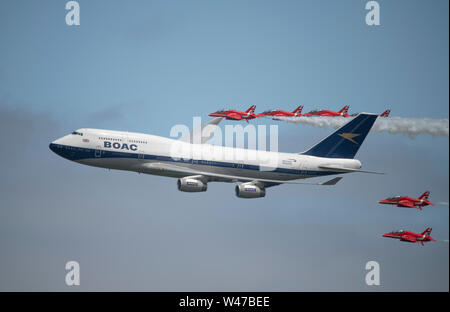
(394, 125)
(443, 203)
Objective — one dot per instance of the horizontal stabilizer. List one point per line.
(332, 181)
(345, 170)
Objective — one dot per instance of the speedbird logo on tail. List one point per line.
(349, 136)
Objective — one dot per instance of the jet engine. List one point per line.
(249, 190)
(191, 185)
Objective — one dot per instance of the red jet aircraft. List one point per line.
(324, 112)
(236, 115)
(280, 113)
(408, 202)
(410, 237)
(386, 113)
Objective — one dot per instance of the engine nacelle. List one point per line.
(191, 185)
(249, 190)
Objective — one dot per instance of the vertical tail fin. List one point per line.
(345, 141)
(298, 110)
(425, 195)
(386, 113)
(427, 232)
(251, 110)
(344, 110)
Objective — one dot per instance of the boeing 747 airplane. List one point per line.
(195, 166)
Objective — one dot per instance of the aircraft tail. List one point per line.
(298, 110)
(251, 110)
(345, 141)
(427, 232)
(386, 113)
(425, 195)
(344, 110)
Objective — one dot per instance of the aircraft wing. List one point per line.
(209, 176)
(204, 132)
(234, 116)
(406, 204)
(344, 170)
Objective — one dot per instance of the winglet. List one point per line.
(204, 131)
(332, 181)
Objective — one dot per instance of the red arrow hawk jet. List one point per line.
(386, 113)
(408, 202)
(236, 115)
(411, 237)
(281, 113)
(324, 112)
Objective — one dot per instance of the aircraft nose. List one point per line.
(53, 148)
(56, 147)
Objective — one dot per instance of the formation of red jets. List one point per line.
(249, 114)
(399, 201)
(409, 202)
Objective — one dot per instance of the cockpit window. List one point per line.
(77, 133)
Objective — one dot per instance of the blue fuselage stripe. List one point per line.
(81, 153)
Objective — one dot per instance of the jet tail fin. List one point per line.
(344, 109)
(345, 141)
(386, 113)
(251, 109)
(425, 195)
(427, 231)
(298, 110)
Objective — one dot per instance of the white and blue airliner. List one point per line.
(152, 154)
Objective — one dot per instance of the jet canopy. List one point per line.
(393, 197)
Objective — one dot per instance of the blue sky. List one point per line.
(148, 65)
